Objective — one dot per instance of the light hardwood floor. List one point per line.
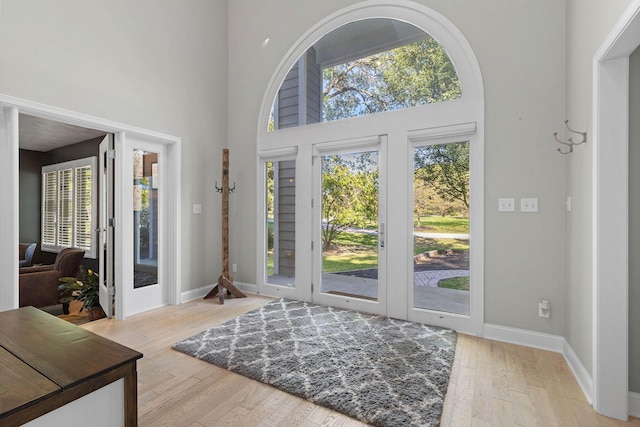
(492, 383)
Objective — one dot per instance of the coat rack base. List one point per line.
(225, 282)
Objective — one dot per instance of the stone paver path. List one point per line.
(432, 277)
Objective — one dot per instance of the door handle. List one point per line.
(381, 234)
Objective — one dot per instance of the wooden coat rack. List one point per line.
(225, 281)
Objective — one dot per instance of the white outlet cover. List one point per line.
(197, 208)
(529, 204)
(506, 205)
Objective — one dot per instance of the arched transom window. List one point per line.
(361, 68)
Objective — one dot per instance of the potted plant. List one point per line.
(86, 291)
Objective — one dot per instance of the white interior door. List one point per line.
(349, 206)
(143, 213)
(105, 227)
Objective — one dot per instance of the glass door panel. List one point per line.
(349, 214)
(441, 280)
(145, 218)
(280, 223)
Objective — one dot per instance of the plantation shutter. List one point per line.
(68, 198)
(65, 208)
(49, 208)
(83, 223)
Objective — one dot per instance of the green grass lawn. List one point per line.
(364, 246)
(460, 283)
(422, 244)
(349, 261)
(443, 224)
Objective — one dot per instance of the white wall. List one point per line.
(156, 64)
(588, 23)
(522, 60)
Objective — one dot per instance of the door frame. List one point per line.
(105, 230)
(299, 290)
(610, 256)
(367, 143)
(129, 300)
(9, 214)
(474, 322)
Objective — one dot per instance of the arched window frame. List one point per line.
(438, 118)
(433, 23)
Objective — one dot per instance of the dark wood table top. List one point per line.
(21, 384)
(41, 355)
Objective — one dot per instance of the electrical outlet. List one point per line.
(234, 268)
(529, 204)
(544, 308)
(506, 205)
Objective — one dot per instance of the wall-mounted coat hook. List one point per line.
(229, 189)
(569, 143)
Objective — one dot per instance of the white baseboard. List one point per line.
(585, 381)
(548, 342)
(194, 294)
(246, 287)
(533, 339)
(634, 404)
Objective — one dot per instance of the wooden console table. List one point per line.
(46, 363)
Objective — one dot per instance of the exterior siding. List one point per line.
(286, 218)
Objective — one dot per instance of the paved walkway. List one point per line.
(427, 294)
(432, 277)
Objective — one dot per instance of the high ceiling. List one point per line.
(38, 134)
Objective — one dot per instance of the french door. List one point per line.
(143, 181)
(381, 224)
(349, 211)
(105, 227)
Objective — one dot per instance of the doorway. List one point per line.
(349, 211)
(9, 216)
(611, 216)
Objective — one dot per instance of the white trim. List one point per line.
(524, 337)
(249, 288)
(346, 144)
(634, 404)
(194, 294)
(173, 143)
(277, 153)
(441, 132)
(9, 212)
(580, 372)
(432, 22)
(610, 215)
(201, 292)
(548, 342)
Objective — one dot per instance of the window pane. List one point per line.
(365, 67)
(441, 280)
(349, 221)
(145, 218)
(280, 222)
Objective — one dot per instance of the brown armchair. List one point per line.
(39, 285)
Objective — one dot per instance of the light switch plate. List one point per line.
(529, 204)
(507, 205)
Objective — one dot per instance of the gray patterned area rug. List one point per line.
(380, 371)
